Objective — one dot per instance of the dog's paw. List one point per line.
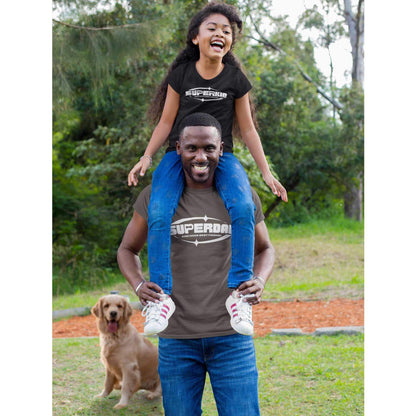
(102, 394)
(119, 406)
(152, 395)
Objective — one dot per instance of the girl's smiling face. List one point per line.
(215, 37)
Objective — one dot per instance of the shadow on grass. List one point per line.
(138, 405)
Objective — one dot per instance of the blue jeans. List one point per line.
(231, 364)
(233, 186)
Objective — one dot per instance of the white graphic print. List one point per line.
(200, 230)
(206, 94)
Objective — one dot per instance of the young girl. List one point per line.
(205, 77)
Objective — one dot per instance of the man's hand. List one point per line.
(149, 292)
(252, 287)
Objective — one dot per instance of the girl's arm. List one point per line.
(252, 140)
(160, 133)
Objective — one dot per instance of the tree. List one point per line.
(294, 125)
(107, 64)
(352, 112)
(108, 58)
(355, 21)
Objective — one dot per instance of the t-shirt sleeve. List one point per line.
(142, 202)
(258, 214)
(243, 85)
(175, 78)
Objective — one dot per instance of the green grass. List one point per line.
(78, 376)
(342, 229)
(89, 298)
(298, 376)
(320, 259)
(311, 375)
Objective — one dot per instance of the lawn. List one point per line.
(298, 376)
(318, 260)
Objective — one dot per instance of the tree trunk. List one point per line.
(271, 207)
(353, 196)
(356, 34)
(353, 200)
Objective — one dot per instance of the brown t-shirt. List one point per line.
(200, 260)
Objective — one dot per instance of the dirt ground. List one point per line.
(305, 315)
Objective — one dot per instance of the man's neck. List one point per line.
(196, 185)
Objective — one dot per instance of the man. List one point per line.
(200, 337)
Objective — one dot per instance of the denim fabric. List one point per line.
(167, 186)
(233, 186)
(231, 364)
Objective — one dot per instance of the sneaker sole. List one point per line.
(228, 306)
(170, 313)
(239, 331)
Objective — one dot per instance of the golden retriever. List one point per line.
(130, 360)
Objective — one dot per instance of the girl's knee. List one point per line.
(242, 209)
(159, 215)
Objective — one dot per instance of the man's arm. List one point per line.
(263, 264)
(129, 262)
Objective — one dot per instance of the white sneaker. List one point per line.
(157, 315)
(240, 312)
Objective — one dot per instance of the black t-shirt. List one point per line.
(215, 96)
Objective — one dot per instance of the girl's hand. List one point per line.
(139, 168)
(276, 187)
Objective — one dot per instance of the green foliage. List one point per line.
(299, 139)
(351, 143)
(254, 175)
(321, 258)
(103, 81)
(318, 18)
(86, 57)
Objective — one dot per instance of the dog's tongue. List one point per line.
(112, 326)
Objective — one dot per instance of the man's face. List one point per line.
(200, 148)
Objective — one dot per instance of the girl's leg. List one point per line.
(167, 187)
(234, 188)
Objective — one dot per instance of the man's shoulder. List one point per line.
(255, 195)
(145, 192)
(259, 209)
(142, 201)
(147, 188)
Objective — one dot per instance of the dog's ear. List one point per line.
(96, 310)
(128, 310)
